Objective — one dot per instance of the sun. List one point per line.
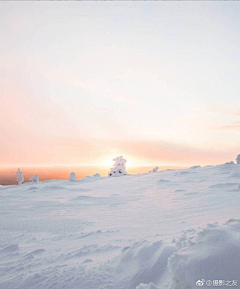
(108, 160)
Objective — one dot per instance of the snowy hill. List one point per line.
(148, 231)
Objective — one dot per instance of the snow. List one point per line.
(146, 231)
(97, 176)
(154, 170)
(238, 159)
(211, 254)
(34, 179)
(119, 168)
(72, 177)
(20, 178)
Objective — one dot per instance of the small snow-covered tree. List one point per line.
(238, 159)
(118, 168)
(154, 170)
(20, 178)
(72, 177)
(97, 176)
(34, 179)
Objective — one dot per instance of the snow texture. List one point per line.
(211, 254)
(166, 230)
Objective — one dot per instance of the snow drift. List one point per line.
(145, 231)
(212, 254)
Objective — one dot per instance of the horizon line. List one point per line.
(92, 165)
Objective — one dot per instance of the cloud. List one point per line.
(148, 152)
(83, 151)
(233, 127)
(225, 110)
(155, 152)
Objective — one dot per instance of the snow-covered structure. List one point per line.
(20, 178)
(118, 168)
(97, 176)
(72, 177)
(229, 163)
(238, 159)
(34, 179)
(154, 170)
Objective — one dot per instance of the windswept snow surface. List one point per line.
(146, 231)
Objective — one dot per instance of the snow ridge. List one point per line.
(164, 230)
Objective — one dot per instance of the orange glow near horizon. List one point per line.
(85, 90)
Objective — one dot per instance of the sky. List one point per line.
(84, 82)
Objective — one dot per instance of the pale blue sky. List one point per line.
(144, 73)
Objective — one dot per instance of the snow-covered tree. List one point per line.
(118, 168)
(20, 178)
(154, 170)
(72, 177)
(34, 179)
(238, 159)
(97, 176)
(229, 163)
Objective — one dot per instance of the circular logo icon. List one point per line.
(200, 283)
(208, 282)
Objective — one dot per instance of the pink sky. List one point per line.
(82, 83)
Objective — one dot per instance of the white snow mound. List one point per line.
(144, 231)
(212, 254)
